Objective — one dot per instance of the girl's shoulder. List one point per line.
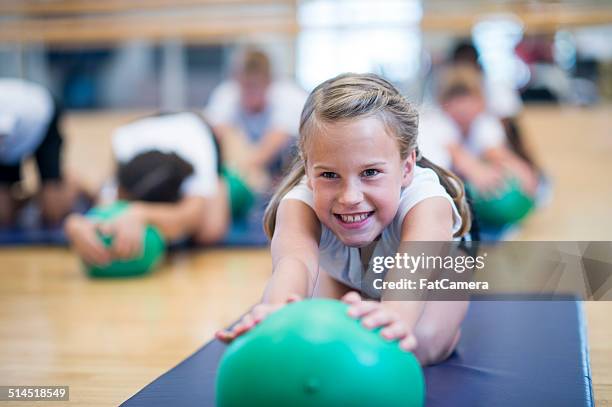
(301, 192)
(422, 178)
(425, 184)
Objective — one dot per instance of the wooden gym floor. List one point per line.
(108, 339)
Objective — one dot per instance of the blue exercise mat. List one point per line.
(38, 236)
(240, 234)
(511, 353)
(246, 232)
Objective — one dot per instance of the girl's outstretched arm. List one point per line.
(437, 323)
(295, 252)
(431, 220)
(295, 258)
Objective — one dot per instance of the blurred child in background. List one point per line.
(464, 136)
(30, 128)
(262, 110)
(501, 99)
(169, 168)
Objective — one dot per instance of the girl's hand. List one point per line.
(84, 239)
(127, 231)
(255, 316)
(374, 314)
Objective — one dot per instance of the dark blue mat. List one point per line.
(29, 228)
(511, 353)
(36, 236)
(246, 232)
(239, 235)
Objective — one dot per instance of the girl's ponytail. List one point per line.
(454, 187)
(293, 178)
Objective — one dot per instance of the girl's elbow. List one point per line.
(435, 344)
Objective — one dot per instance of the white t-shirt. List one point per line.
(437, 131)
(342, 262)
(182, 133)
(26, 109)
(285, 103)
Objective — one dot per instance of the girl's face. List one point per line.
(356, 174)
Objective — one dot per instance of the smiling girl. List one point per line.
(359, 188)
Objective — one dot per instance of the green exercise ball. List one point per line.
(312, 354)
(153, 247)
(240, 195)
(508, 206)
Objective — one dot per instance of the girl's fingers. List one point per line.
(241, 327)
(351, 297)
(409, 343)
(376, 318)
(97, 258)
(91, 259)
(136, 247)
(126, 245)
(244, 325)
(224, 336)
(395, 330)
(94, 252)
(131, 245)
(294, 298)
(259, 312)
(91, 255)
(105, 228)
(118, 246)
(362, 308)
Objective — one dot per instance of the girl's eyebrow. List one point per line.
(321, 167)
(327, 167)
(375, 164)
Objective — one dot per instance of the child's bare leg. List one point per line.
(327, 287)
(438, 330)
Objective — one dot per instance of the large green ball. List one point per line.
(508, 206)
(312, 354)
(153, 247)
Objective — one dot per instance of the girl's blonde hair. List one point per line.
(349, 96)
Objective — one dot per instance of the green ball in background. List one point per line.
(508, 206)
(241, 196)
(153, 246)
(312, 354)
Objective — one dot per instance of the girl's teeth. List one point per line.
(353, 218)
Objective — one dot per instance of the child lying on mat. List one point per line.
(168, 166)
(359, 185)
